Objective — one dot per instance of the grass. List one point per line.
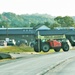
(16, 49)
(23, 48)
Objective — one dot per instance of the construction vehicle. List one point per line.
(46, 45)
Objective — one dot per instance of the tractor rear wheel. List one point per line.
(36, 49)
(45, 47)
(65, 47)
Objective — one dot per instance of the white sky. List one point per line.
(51, 7)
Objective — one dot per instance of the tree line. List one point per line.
(8, 19)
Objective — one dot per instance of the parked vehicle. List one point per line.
(32, 43)
(45, 46)
(21, 42)
(3, 43)
(11, 42)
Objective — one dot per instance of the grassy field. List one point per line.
(16, 49)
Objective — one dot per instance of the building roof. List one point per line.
(41, 27)
(34, 32)
(55, 32)
(17, 28)
(16, 31)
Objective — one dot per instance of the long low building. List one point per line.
(29, 33)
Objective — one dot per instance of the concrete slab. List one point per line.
(5, 55)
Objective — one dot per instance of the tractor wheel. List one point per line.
(36, 49)
(65, 47)
(45, 47)
(57, 49)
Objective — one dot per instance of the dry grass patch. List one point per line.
(16, 49)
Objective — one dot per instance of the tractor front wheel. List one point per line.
(45, 47)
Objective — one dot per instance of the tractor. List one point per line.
(46, 45)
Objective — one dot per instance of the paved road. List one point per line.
(36, 65)
(69, 69)
(65, 68)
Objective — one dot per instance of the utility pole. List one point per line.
(38, 41)
(7, 30)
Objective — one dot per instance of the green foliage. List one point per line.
(55, 25)
(8, 19)
(13, 20)
(66, 21)
(47, 24)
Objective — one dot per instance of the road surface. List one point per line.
(65, 68)
(35, 65)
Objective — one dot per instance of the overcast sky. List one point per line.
(51, 7)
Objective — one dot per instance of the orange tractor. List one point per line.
(45, 46)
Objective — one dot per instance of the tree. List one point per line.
(4, 24)
(32, 25)
(47, 24)
(55, 25)
(59, 19)
(66, 21)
